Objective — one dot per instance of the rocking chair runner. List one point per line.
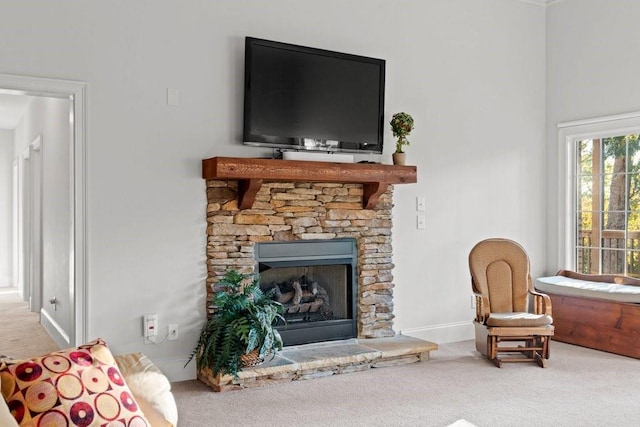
(507, 307)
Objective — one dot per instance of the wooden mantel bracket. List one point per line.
(250, 173)
(371, 192)
(247, 190)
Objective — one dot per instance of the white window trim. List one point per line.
(568, 134)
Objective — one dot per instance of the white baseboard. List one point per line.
(175, 370)
(442, 334)
(54, 330)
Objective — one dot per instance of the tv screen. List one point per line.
(303, 98)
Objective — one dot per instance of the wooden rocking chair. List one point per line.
(507, 307)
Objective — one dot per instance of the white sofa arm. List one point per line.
(150, 387)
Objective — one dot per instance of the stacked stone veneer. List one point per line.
(285, 211)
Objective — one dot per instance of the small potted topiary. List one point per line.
(241, 330)
(401, 126)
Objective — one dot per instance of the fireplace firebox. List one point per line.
(315, 280)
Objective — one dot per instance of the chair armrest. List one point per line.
(481, 304)
(541, 303)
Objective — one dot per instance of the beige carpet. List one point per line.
(580, 387)
(21, 335)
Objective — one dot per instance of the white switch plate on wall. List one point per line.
(173, 97)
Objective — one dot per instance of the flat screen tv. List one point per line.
(303, 98)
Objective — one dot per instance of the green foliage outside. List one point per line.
(619, 180)
(609, 199)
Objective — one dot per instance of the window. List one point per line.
(607, 212)
(602, 195)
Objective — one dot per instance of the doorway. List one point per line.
(49, 205)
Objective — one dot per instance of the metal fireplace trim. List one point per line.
(314, 252)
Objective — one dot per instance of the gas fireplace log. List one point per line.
(310, 307)
(282, 298)
(316, 306)
(304, 307)
(301, 297)
(297, 296)
(286, 297)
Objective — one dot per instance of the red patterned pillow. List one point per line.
(74, 387)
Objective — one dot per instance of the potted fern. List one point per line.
(240, 332)
(401, 126)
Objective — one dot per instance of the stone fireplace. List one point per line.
(289, 211)
(252, 201)
(321, 233)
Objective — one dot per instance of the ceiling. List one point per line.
(12, 108)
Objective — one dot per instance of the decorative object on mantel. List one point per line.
(240, 332)
(251, 172)
(401, 126)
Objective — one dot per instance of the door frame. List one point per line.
(35, 221)
(25, 229)
(77, 93)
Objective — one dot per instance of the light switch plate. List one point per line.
(172, 97)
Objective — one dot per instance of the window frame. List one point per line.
(568, 134)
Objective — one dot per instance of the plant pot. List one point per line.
(251, 359)
(399, 158)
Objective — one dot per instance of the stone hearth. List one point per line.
(320, 360)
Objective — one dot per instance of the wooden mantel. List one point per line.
(250, 172)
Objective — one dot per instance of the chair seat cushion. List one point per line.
(518, 319)
(561, 285)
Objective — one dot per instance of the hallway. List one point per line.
(21, 335)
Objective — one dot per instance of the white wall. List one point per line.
(470, 72)
(592, 71)
(6, 213)
(473, 72)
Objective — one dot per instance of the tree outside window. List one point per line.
(608, 205)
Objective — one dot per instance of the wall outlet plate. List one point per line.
(150, 327)
(172, 332)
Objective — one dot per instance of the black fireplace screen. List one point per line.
(315, 282)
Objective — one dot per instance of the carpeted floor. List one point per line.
(21, 335)
(579, 387)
